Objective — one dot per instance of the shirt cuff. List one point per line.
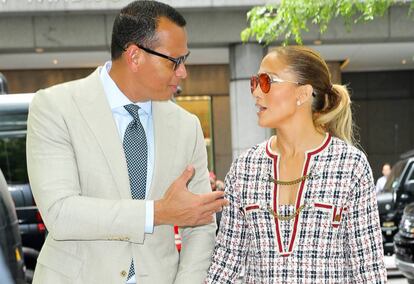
(149, 217)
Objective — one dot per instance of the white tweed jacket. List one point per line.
(336, 238)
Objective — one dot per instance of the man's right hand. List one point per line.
(183, 208)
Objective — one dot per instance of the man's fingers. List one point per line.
(213, 201)
(206, 219)
(187, 174)
(215, 206)
(211, 196)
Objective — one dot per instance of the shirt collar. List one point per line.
(114, 95)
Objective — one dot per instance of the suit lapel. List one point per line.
(94, 108)
(165, 145)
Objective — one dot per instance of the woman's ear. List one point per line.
(304, 94)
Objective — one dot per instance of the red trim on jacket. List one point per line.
(251, 207)
(282, 251)
(323, 205)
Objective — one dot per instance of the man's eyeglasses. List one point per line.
(177, 61)
(265, 82)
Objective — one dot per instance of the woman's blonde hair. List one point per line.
(331, 107)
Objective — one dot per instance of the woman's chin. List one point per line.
(262, 119)
(262, 123)
(267, 124)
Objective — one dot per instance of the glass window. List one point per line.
(201, 107)
(13, 123)
(13, 157)
(395, 175)
(411, 177)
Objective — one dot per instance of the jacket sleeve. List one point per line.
(232, 240)
(197, 242)
(366, 259)
(55, 182)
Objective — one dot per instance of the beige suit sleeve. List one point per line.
(55, 182)
(197, 242)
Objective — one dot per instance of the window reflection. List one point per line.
(13, 157)
(394, 177)
(201, 107)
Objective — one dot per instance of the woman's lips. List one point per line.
(260, 109)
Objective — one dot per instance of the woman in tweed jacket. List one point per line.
(302, 204)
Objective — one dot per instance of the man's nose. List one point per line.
(181, 71)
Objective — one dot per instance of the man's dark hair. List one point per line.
(137, 23)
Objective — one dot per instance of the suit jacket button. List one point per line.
(123, 273)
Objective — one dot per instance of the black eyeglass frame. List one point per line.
(177, 61)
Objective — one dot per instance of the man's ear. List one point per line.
(135, 58)
(132, 56)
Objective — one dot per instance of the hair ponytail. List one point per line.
(336, 116)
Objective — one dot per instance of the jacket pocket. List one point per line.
(250, 208)
(60, 261)
(335, 212)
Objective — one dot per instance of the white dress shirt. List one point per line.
(117, 100)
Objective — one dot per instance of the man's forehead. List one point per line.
(173, 38)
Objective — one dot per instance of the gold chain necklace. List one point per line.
(288, 217)
(291, 182)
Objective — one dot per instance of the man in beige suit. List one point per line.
(114, 164)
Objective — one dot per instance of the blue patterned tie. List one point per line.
(136, 153)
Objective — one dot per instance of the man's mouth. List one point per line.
(174, 88)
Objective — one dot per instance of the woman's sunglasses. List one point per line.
(265, 82)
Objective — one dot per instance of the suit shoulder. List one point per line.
(176, 107)
(170, 106)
